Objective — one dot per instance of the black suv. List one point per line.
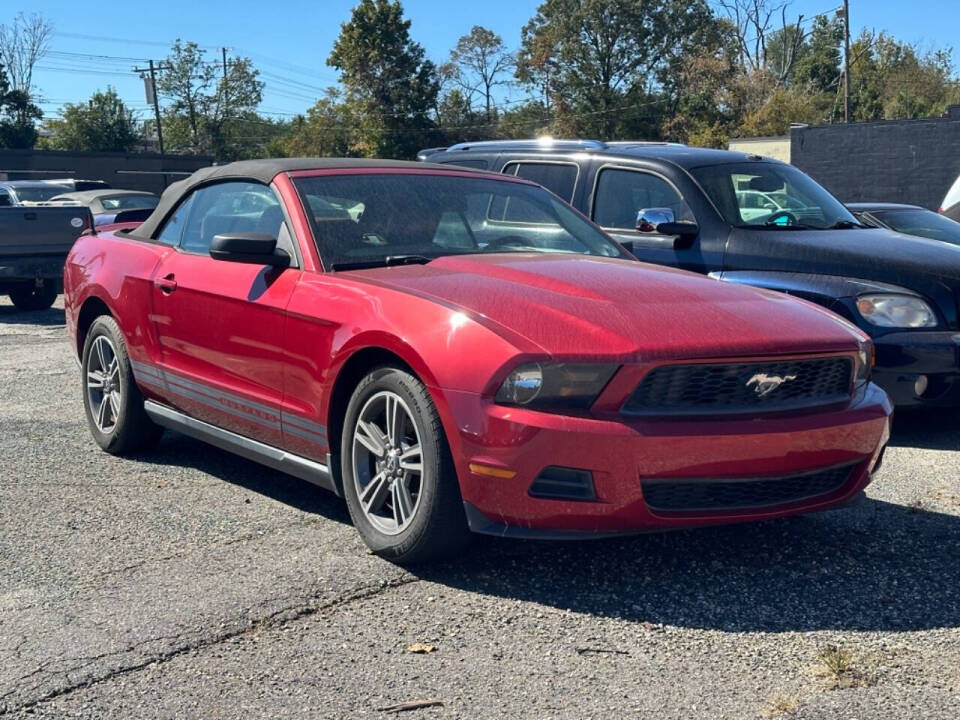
(753, 220)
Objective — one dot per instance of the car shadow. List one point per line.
(181, 450)
(875, 566)
(926, 428)
(9, 315)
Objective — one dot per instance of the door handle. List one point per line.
(167, 284)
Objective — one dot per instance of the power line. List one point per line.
(91, 56)
(128, 40)
(81, 71)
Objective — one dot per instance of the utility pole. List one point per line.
(224, 64)
(153, 96)
(846, 61)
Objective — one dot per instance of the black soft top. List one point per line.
(263, 171)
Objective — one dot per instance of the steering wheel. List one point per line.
(506, 241)
(790, 217)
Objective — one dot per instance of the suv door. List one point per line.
(620, 192)
(220, 324)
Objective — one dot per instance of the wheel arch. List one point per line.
(92, 308)
(353, 369)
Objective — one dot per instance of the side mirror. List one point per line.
(649, 218)
(684, 233)
(251, 248)
(683, 229)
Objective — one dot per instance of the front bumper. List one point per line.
(622, 455)
(903, 357)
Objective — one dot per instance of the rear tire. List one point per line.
(30, 298)
(111, 398)
(398, 477)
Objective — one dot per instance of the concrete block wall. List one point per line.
(909, 161)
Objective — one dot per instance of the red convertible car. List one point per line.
(454, 351)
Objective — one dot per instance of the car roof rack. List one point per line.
(538, 143)
(643, 143)
(544, 143)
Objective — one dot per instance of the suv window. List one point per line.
(558, 178)
(230, 207)
(620, 194)
(173, 227)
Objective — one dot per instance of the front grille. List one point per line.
(741, 494)
(746, 387)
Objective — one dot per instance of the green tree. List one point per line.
(102, 124)
(892, 80)
(819, 63)
(18, 116)
(388, 79)
(783, 107)
(479, 63)
(699, 108)
(325, 131)
(526, 120)
(592, 55)
(205, 109)
(784, 49)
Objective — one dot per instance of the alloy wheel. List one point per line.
(387, 462)
(103, 384)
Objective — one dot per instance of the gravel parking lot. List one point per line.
(190, 583)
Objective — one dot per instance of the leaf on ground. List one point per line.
(421, 648)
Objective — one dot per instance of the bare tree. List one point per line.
(754, 21)
(22, 44)
(479, 63)
(790, 40)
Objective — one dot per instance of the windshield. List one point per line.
(920, 222)
(771, 195)
(370, 220)
(129, 202)
(38, 194)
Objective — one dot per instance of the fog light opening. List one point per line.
(920, 385)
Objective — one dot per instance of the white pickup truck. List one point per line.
(34, 242)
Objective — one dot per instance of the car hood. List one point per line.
(868, 253)
(581, 306)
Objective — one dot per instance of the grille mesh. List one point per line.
(734, 387)
(692, 495)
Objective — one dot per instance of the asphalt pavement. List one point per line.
(191, 583)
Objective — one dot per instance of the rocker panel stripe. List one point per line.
(172, 381)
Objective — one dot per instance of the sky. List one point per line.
(98, 44)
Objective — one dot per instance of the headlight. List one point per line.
(555, 386)
(902, 311)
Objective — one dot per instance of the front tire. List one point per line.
(398, 476)
(31, 298)
(111, 398)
